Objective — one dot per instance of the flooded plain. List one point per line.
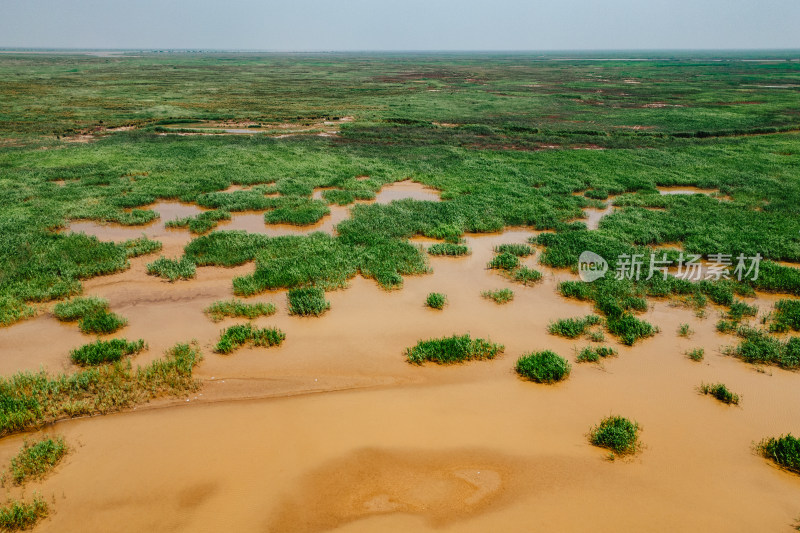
(335, 431)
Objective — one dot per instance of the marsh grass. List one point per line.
(543, 367)
(448, 249)
(525, 275)
(307, 301)
(32, 399)
(727, 326)
(101, 323)
(783, 451)
(37, 459)
(786, 316)
(504, 261)
(18, 515)
(720, 392)
(592, 354)
(100, 352)
(140, 246)
(759, 347)
(684, 330)
(572, 328)
(172, 269)
(630, 329)
(297, 211)
(77, 308)
(454, 349)
(237, 336)
(738, 310)
(221, 309)
(436, 300)
(499, 296)
(696, 354)
(617, 434)
(13, 310)
(201, 223)
(519, 250)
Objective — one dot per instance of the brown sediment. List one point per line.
(339, 432)
(684, 189)
(400, 190)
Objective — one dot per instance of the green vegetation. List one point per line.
(448, 249)
(172, 269)
(33, 399)
(504, 261)
(617, 434)
(37, 459)
(307, 301)
(759, 347)
(100, 352)
(739, 310)
(92, 313)
(18, 515)
(519, 250)
(543, 367)
(720, 392)
(784, 451)
(630, 329)
(13, 310)
(787, 316)
(684, 330)
(525, 275)
(298, 211)
(455, 349)
(592, 354)
(141, 246)
(202, 223)
(572, 328)
(500, 296)
(436, 300)
(696, 354)
(237, 308)
(236, 336)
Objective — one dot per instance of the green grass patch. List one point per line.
(592, 354)
(720, 392)
(786, 316)
(100, 352)
(684, 330)
(500, 296)
(504, 261)
(543, 367)
(19, 515)
(436, 300)
(172, 269)
(696, 354)
(297, 211)
(307, 301)
(525, 275)
(759, 347)
(37, 459)
(630, 329)
(454, 349)
(572, 328)
(201, 223)
(448, 249)
(237, 336)
(519, 250)
(140, 246)
(101, 323)
(783, 451)
(32, 399)
(77, 308)
(738, 310)
(237, 308)
(13, 310)
(617, 434)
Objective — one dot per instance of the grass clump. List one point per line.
(140, 246)
(783, 451)
(617, 434)
(630, 329)
(100, 352)
(236, 336)
(759, 347)
(720, 392)
(77, 308)
(13, 310)
(33, 399)
(237, 308)
(696, 354)
(500, 296)
(436, 300)
(519, 250)
(35, 460)
(18, 515)
(172, 269)
(448, 249)
(202, 223)
(572, 328)
(786, 316)
(307, 301)
(297, 211)
(504, 261)
(454, 349)
(101, 323)
(592, 354)
(684, 330)
(543, 367)
(525, 275)
(727, 326)
(739, 310)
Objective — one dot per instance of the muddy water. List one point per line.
(341, 434)
(406, 189)
(684, 190)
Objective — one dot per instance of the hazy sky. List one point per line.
(401, 25)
